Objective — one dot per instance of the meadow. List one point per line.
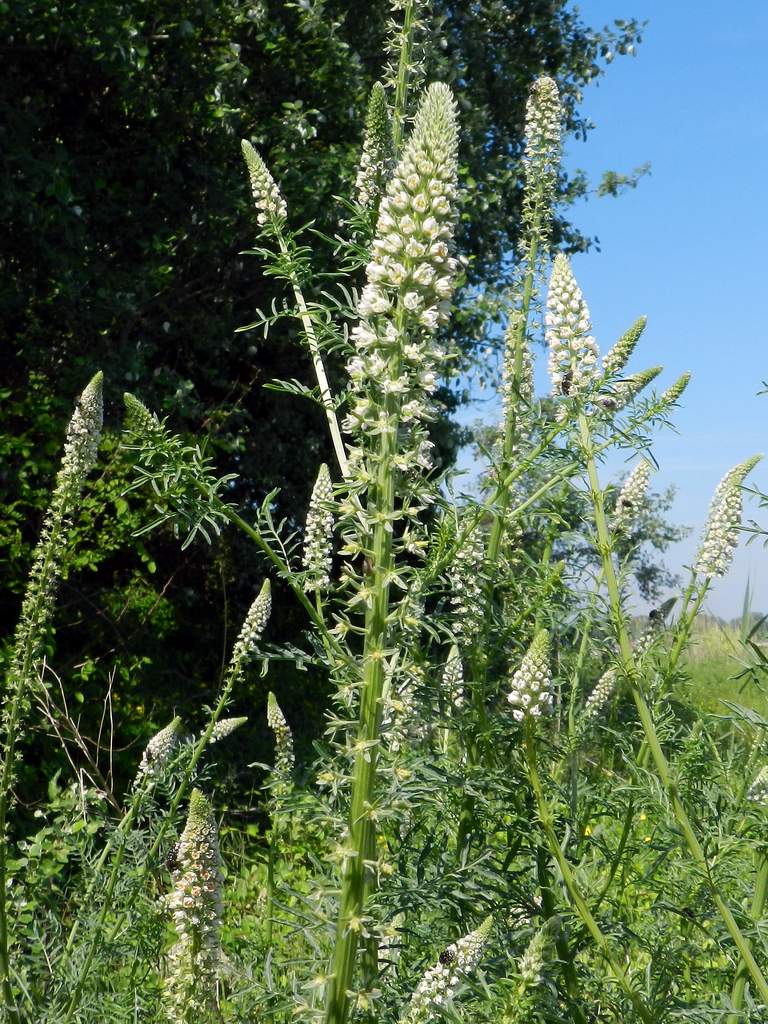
(525, 805)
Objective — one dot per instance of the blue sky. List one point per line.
(687, 247)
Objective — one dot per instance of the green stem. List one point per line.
(756, 912)
(659, 759)
(317, 362)
(46, 579)
(357, 879)
(546, 819)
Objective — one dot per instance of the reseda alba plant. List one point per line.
(509, 818)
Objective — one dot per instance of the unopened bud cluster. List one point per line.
(377, 144)
(531, 964)
(318, 536)
(573, 351)
(267, 197)
(616, 358)
(541, 160)
(453, 678)
(531, 693)
(195, 905)
(440, 983)
(721, 533)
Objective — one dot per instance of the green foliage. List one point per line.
(510, 814)
(125, 206)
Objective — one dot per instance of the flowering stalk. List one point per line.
(440, 983)
(722, 530)
(318, 535)
(158, 750)
(377, 146)
(393, 372)
(629, 670)
(195, 905)
(541, 164)
(80, 452)
(631, 496)
(244, 649)
(271, 216)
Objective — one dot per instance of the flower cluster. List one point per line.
(266, 194)
(531, 683)
(453, 678)
(632, 495)
(195, 905)
(377, 145)
(758, 791)
(541, 160)
(674, 391)
(158, 750)
(572, 349)
(616, 359)
(318, 533)
(253, 628)
(284, 758)
(225, 727)
(80, 452)
(466, 578)
(600, 695)
(628, 389)
(721, 533)
(440, 983)
(409, 279)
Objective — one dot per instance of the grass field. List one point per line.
(716, 664)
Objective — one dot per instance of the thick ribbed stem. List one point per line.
(357, 879)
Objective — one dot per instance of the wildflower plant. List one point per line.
(462, 778)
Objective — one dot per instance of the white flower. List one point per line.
(377, 142)
(318, 536)
(266, 195)
(252, 629)
(601, 694)
(440, 983)
(225, 727)
(632, 495)
(159, 749)
(721, 533)
(572, 349)
(530, 692)
(758, 791)
(466, 576)
(195, 906)
(284, 757)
